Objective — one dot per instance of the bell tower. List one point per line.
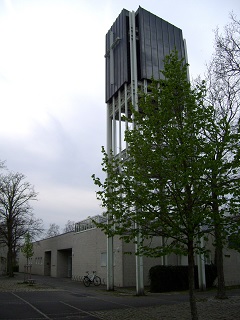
(136, 45)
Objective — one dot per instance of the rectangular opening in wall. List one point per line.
(103, 259)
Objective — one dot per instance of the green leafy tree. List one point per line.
(27, 248)
(159, 190)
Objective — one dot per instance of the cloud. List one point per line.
(65, 204)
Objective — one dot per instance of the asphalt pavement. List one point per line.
(58, 298)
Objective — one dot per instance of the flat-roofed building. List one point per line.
(71, 254)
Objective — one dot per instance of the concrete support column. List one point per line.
(139, 270)
(110, 271)
(134, 96)
(201, 269)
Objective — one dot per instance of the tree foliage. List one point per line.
(160, 189)
(53, 230)
(69, 226)
(16, 216)
(227, 49)
(180, 177)
(223, 93)
(27, 248)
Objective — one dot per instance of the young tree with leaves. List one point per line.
(160, 190)
(27, 248)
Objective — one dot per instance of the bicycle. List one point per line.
(88, 279)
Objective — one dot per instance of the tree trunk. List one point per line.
(10, 262)
(221, 290)
(192, 298)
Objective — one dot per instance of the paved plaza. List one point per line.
(54, 298)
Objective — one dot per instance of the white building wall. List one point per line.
(231, 265)
(74, 253)
(90, 254)
(46, 255)
(129, 269)
(86, 256)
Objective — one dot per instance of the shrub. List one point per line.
(172, 278)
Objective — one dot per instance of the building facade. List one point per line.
(71, 254)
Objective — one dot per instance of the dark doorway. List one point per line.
(47, 263)
(64, 263)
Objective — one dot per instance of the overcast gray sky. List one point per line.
(52, 77)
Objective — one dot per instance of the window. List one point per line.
(103, 259)
(234, 241)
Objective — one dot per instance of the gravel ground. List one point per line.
(211, 309)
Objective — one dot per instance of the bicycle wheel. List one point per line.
(86, 281)
(96, 281)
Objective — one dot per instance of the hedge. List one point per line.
(175, 278)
